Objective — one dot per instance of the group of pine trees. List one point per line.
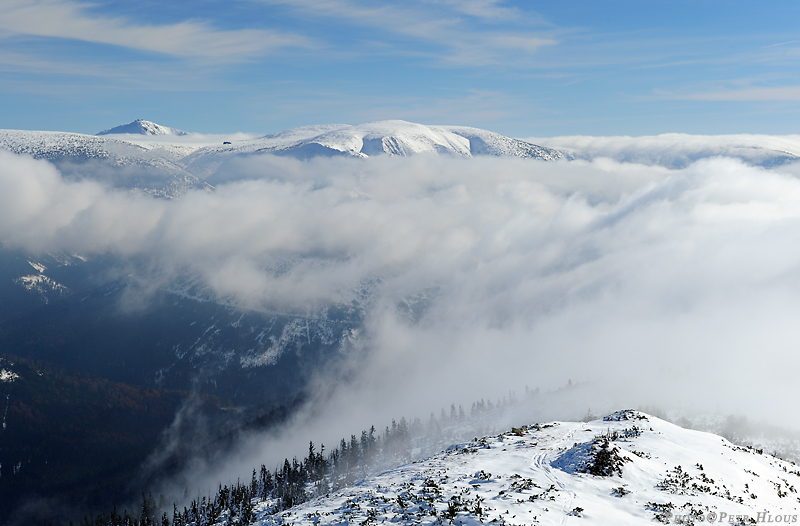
(297, 481)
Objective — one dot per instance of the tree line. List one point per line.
(299, 480)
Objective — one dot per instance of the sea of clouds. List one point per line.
(656, 285)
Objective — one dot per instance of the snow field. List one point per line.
(535, 475)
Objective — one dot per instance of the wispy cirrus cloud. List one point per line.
(72, 20)
(775, 93)
(492, 10)
(462, 32)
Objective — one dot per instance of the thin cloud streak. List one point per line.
(464, 41)
(68, 19)
(489, 10)
(765, 94)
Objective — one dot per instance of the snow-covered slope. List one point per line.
(628, 468)
(7, 375)
(142, 127)
(394, 137)
(120, 164)
(167, 162)
(62, 145)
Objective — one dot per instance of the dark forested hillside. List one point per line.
(72, 440)
(83, 316)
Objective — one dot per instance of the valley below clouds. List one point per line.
(643, 285)
(361, 241)
(674, 284)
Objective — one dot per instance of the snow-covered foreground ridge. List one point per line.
(627, 468)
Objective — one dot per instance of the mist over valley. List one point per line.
(203, 304)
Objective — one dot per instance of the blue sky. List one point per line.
(596, 67)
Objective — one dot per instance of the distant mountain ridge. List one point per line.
(401, 138)
(142, 127)
(392, 138)
(152, 169)
(175, 161)
(679, 150)
(178, 161)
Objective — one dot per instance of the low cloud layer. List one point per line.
(677, 288)
(679, 150)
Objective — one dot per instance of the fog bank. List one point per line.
(675, 288)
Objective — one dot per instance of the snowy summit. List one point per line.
(142, 127)
(626, 468)
(394, 138)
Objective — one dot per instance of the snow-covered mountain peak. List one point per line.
(391, 137)
(142, 127)
(402, 138)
